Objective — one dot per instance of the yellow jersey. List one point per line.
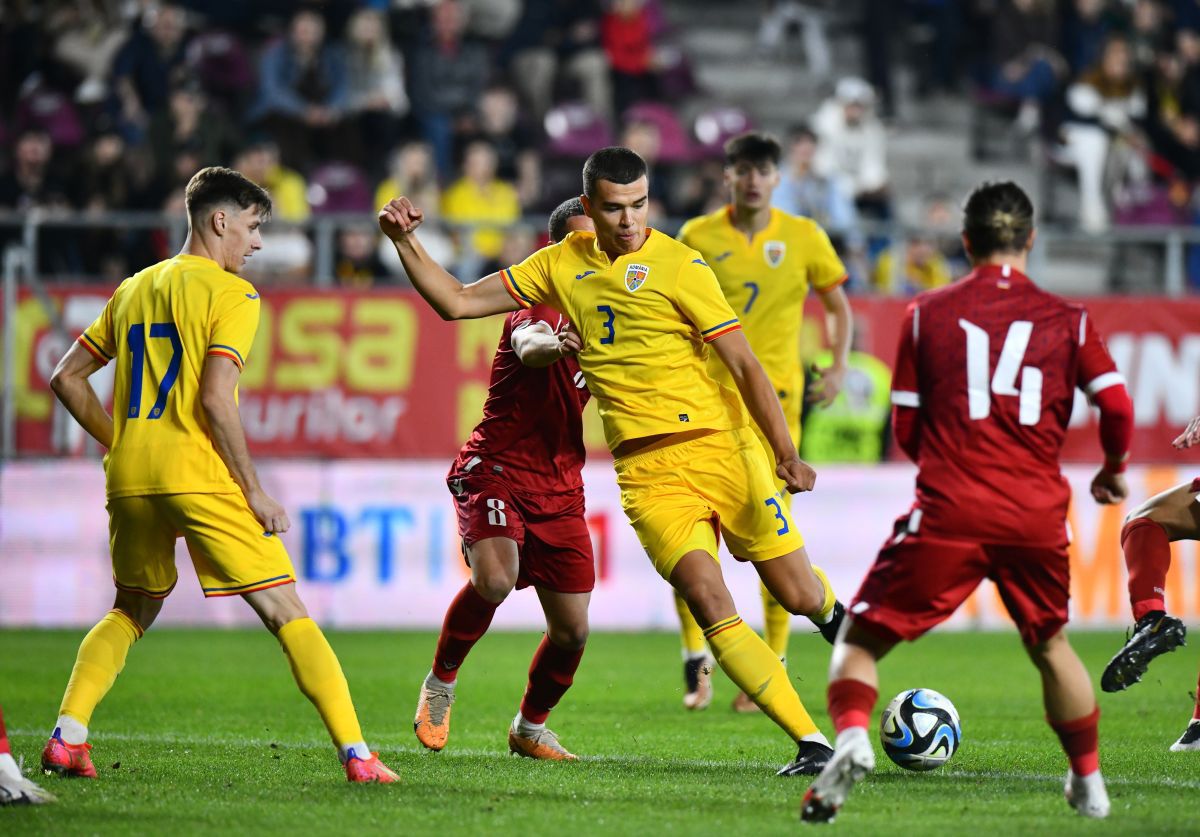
(160, 325)
(766, 280)
(645, 320)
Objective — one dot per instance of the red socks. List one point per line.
(4, 748)
(1148, 557)
(1081, 741)
(851, 703)
(467, 619)
(550, 675)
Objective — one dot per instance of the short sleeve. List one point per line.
(235, 322)
(906, 390)
(537, 314)
(685, 233)
(98, 337)
(825, 270)
(699, 297)
(530, 282)
(1096, 370)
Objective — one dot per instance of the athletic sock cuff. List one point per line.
(1077, 724)
(851, 703)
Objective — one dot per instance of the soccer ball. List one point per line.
(920, 729)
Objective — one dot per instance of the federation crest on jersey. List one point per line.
(635, 276)
(773, 252)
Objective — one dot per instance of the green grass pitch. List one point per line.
(205, 732)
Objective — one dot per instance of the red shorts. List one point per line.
(919, 580)
(552, 535)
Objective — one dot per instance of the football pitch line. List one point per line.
(393, 746)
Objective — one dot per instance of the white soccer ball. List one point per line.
(920, 729)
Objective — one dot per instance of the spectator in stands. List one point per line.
(303, 94)
(560, 39)
(448, 75)
(103, 182)
(827, 199)
(1024, 63)
(219, 60)
(260, 162)
(411, 172)
(783, 17)
(481, 201)
(87, 35)
(146, 65)
(1101, 130)
(1173, 115)
(189, 125)
(31, 182)
(377, 99)
(497, 120)
(357, 264)
(628, 32)
(519, 242)
(1086, 26)
(1147, 33)
(924, 268)
(853, 145)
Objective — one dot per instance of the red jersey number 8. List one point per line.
(496, 516)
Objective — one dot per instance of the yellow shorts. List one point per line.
(229, 549)
(675, 497)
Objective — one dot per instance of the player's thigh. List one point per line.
(790, 580)
(739, 483)
(142, 542)
(557, 554)
(669, 514)
(1177, 510)
(229, 549)
(491, 524)
(917, 582)
(1034, 583)
(566, 616)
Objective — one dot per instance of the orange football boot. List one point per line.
(67, 759)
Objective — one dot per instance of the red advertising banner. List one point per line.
(376, 374)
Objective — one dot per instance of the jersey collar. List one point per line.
(603, 257)
(766, 231)
(1000, 273)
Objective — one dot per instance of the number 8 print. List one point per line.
(496, 516)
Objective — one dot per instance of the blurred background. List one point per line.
(482, 111)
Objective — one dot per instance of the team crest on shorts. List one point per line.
(774, 252)
(635, 276)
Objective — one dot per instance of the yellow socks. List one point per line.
(753, 666)
(100, 659)
(319, 676)
(777, 623)
(826, 611)
(689, 630)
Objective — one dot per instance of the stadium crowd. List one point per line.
(483, 111)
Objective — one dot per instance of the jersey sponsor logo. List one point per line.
(684, 417)
(251, 296)
(583, 275)
(635, 276)
(723, 256)
(773, 252)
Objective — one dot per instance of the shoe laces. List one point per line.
(438, 701)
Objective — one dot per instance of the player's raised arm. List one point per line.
(70, 383)
(452, 300)
(760, 398)
(537, 345)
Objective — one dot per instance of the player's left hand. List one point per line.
(1108, 488)
(798, 474)
(1190, 436)
(826, 384)
(569, 343)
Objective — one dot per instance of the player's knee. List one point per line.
(495, 586)
(143, 610)
(802, 600)
(570, 637)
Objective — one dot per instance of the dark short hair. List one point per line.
(563, 213)
(802, 130)
(754, 148)
(216, 185)
(616, 164)
(998, 218)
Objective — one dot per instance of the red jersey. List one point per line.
(991, 365)
(531, 433)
